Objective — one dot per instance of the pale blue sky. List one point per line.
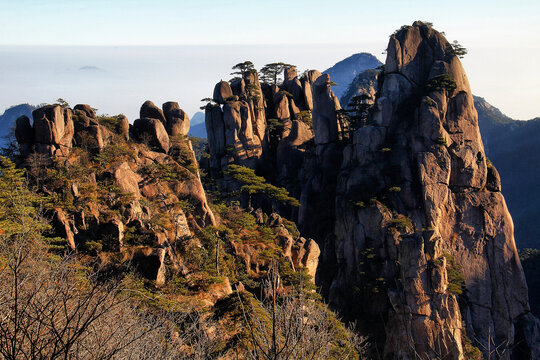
(503, 37)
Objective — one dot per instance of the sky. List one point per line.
(179, 49)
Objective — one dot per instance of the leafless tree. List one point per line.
(52, 308)
(293, 326)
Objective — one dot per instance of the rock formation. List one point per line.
(57, 131)
(414, 232)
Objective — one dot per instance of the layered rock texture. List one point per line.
(414, 232)
(118, 187)
(432, 197)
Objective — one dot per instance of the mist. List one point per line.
(119, 79)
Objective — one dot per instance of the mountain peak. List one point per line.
(344, 71)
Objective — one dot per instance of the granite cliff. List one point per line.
(416, 239)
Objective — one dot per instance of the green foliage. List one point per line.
(456, 279)
(459, 50)
(401, 222)
(271, 73)
(402, 28)
(112, 123)
(441, 141)
(210, 103)
(444, 82)
(114, 154)
(305, 117)
(93, 247)
(395, 189)
(254, 184)
(19, 206)
(63, 103)
(357, 113)
(298, 278)
(274, 125)
(291, 227)
(470, 351)
(243, 68)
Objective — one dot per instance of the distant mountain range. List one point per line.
(514, 148)
(198, 127)
(7, 120)
(344, 72)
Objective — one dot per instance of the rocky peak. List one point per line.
(428, 195)
(405, 209)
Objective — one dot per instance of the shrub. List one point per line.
(441, 141)
(456, 279)
(441, 83)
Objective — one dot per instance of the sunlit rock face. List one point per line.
(416, 195)
(415, 238)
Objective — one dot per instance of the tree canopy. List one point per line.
(272, 73)
(243, 68)
(254, 184)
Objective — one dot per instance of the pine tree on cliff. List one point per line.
(254, 184)
(270, 73)
(243, 68)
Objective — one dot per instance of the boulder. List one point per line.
(127, 180)
(124, 127)
(306, 253)
(153, 131)
(177, 120)
(86, 110)
(222, 92)
(238, 87)
(53, 125)
(281, 106)
(151, 111)
(215, 129)
(65, 227)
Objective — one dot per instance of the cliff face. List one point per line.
(434, 178)
(414, 230)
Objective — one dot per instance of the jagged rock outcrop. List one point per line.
(151, 111)
(423, 166)
(53, 129)
(177, 119)
(222, 92)
(121, 187)
(153, 131)
(325, 105)
(415, 237)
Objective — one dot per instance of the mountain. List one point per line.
(416, 241)
(343, 72)
(363, 83)
(514, 148)
(7, 120)
(399, 223)
(198, 127)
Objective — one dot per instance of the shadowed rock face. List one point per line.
(402, 209)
